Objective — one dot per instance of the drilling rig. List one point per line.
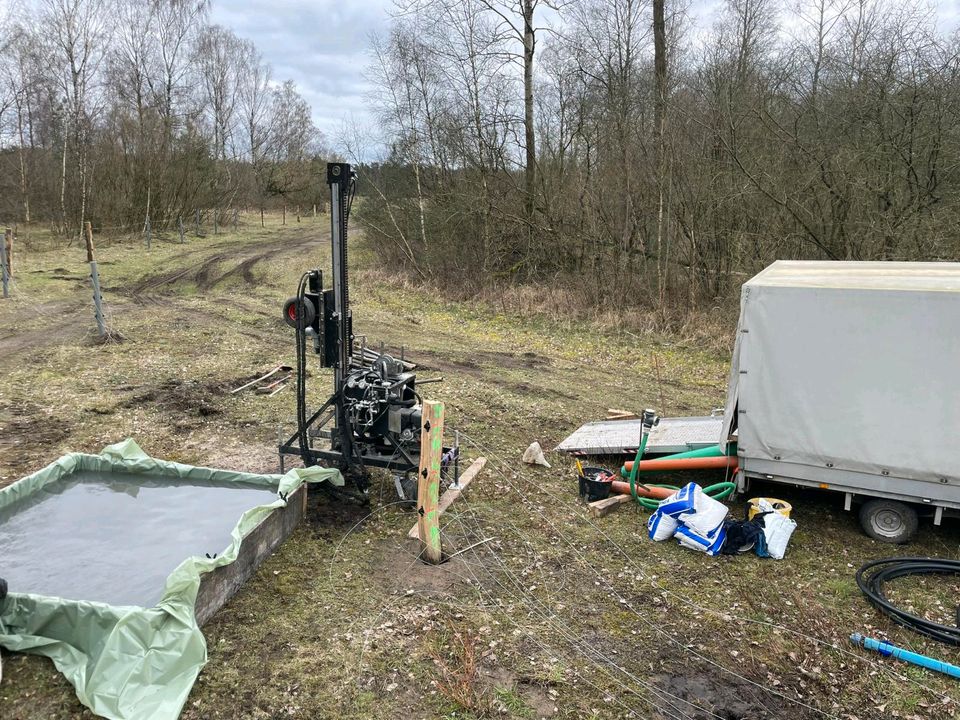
(372, 418)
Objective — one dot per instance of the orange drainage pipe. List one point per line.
(655, 493)
(669, 465)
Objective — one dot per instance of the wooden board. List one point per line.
(452, 493)
(217, 587)
(599, 508)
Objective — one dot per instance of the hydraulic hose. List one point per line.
(718, 491)
(872, 577)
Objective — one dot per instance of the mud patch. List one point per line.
(702, 697)
(190, 398)
(540, 392)
(27, 433)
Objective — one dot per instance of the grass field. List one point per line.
(557, 615)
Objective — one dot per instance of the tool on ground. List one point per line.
(872, 577)
(373, 416)
(890, 650)
(268, 374)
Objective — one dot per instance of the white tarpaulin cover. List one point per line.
(850, 365)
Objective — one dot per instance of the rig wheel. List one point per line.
(290, 312)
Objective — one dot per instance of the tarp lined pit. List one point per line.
(115, 537)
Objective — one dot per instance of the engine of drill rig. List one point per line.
(380, 400)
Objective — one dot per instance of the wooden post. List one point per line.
(298, 213)
(146, 231)
(8, 241)
(95, 281)
(314, 209)
(261, 218)
(428, 482)
(216, 227)
(4, 273)
(236, 219)
(180, 228)
(284, 221)
(198, 222)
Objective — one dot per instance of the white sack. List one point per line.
(533, 455)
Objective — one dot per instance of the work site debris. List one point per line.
(699, 522)
(533, 455)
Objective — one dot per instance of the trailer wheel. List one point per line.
(889, 521)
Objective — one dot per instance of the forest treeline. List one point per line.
(618, 148)
(113, 111)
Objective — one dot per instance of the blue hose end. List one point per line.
(856, 639)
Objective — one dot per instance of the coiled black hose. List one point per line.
(872, 576)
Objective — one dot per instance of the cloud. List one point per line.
(319, 44)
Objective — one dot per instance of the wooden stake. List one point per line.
(4, 273)
(314, 209)
(298, 213)
(284, 221)
(428, 485)
(8, 241)
(95, 281)
(452, 493)
(198, 222)
(261, 218)
(180, 228)
(88, 236)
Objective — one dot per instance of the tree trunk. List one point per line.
(660, 101)
(529, 43)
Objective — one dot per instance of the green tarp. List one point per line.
(132, 663)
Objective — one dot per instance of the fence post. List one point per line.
(146, 230)
(8, 236)
(428, 482)
(198, 222)
(95, 281)
(180, 228)
(298, 213)
(261, 218)
(216, 226)
(236, 218)
(284, 221)
(4, 271)
(314, 209)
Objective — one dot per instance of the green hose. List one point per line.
(718, 491)
(636, 465)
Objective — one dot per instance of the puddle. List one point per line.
(115, 537)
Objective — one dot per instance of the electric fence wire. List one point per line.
(527, 601)
(709, 610)
(621, 599)
(557, 624)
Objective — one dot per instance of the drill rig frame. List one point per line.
(372, 418)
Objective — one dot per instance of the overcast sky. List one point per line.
(319, 44)
(322, 45)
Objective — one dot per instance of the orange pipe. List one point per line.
(657, 493)
(668, 465)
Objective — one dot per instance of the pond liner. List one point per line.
(129, 662)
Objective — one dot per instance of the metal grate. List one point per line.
(621, 437)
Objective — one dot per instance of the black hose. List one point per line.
(872, 585)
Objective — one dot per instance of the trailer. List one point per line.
(844, 377)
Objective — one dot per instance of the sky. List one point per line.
(319, 44)
(322, 46)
